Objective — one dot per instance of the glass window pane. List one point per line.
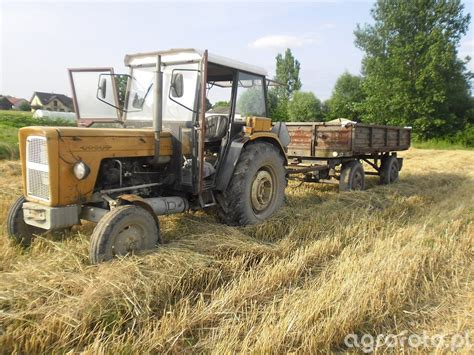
(172, 110)
(250, 96)
(85, 86)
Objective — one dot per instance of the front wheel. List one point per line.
(20, 232)
(257, 187)
(124, 230)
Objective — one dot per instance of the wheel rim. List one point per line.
(358, 181)
(262, 190)
(129, 239)
(393, 173)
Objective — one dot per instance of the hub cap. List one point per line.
(393, 173)
(129, 239)
(357, 183)
(262, 190)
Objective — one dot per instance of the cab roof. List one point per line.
(190, 54)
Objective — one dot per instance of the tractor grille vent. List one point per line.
(37, 168)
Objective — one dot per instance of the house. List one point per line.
(17, 102)
(5, 104)
(51, 102)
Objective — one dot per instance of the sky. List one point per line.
(40, 40)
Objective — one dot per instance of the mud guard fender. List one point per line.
(226, 171)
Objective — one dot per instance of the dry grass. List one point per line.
(390, 259)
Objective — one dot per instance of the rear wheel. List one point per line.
(389, 171)
(20, 232)
(352, 176)
(257, 187)
(124, 230)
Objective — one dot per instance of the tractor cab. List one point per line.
(202, 100)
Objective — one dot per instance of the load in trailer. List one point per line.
(147, 146)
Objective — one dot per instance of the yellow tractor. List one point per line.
(148, 144)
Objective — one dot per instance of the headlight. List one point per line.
(81, 170)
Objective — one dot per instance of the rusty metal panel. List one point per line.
(317, 139)
(301, 140)
(333, 141)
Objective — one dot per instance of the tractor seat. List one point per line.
(216, 127)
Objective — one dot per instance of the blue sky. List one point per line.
(40, 40)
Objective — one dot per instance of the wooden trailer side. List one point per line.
(374, 138)
(323, 140)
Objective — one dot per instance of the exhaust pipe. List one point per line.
(160, 206)
(157, 107)
(167, 205)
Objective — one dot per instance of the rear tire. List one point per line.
(257, 187)
(389, 171)
(124, 230)
(352, 176)
(18, 231)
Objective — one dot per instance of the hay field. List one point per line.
(389, 260)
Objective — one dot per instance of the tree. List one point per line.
(305, 106)
(412, 74)
(225, 104)
(25, 106)
(277, 109)
(346, 97)
(251, 102)
(208, 104)
(287, 73)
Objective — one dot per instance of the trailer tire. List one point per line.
(123, 230)
(352, 176)
(18, 231)
(389, 171)
(257, 187)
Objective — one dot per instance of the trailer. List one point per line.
(325, 151)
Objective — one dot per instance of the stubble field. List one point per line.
(390, 260)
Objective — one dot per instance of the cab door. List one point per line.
(95, 95)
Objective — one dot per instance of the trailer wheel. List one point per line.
(20, 232)
(352, 176)
(389, 171)
(257, 187)
(124, 230)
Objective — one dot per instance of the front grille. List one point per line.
(37, 168)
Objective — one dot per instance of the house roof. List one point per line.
(15, 100)
(46, 98)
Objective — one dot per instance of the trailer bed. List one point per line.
(344, 138)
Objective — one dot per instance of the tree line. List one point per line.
(411, 74)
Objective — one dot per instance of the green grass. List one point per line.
(441, 144)
(11, 122)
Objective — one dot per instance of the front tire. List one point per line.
(124, 230)
(18, 231)
(257, 187)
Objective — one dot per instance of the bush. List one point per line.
(25, 106)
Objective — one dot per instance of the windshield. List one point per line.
(175, 107)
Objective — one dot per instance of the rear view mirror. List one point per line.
(177, 85)
(138, 102)
(106, 90)
(102, 89)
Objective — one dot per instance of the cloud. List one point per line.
(284, 41)
(328, 26)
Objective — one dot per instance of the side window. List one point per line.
(250, 96)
